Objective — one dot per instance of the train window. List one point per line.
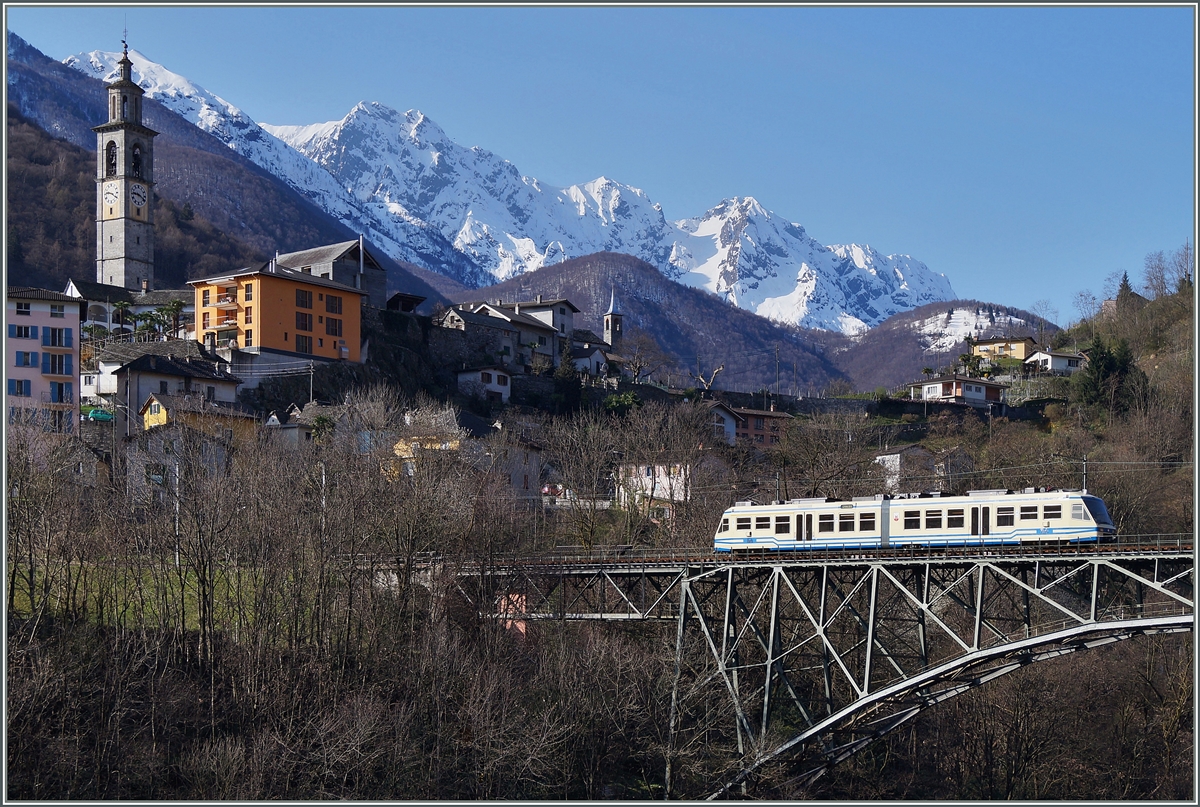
(762, 523)
(1029, 513)
(912, 519)
(954, 518)
(743, 523)
(1052, 511)
(825, 522)
(724, 525)
(1004, 517)
(783, 525)
(866, 522)
(933, 519)
(845, 522)
(1077, 512)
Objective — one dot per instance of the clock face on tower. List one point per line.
(137, 194)
(111, 193)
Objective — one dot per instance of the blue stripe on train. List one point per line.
(1080, 535)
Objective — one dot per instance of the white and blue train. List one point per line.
(980, 518)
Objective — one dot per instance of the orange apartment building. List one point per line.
(282, 311)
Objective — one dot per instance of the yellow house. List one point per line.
(224, 419)
(277, 310)
(1020, 349)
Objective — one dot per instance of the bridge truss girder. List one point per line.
(813, 660)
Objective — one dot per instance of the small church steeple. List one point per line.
(613, 329)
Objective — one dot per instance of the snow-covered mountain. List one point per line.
(471, 215)
(942, 333)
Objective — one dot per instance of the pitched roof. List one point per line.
(741, 410)
(482, 320)
(198, 403)
(182, 366)
(27, 293)
(124, 352)
(957, 377)
(584, 335)
(271, 269)
(499, 312)
(102, 292)
(326, 254)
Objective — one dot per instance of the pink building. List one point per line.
(42, 364)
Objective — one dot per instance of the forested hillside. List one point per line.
(51, 219)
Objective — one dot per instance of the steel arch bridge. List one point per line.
(808, 659)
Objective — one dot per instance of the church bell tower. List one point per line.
(125, 187)
(613, 331)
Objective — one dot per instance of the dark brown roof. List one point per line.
(198, 403)
(128, 351)
(181, 366)
(102, 292)
(27, 293)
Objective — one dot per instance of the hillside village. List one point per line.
(225, 358)
(219, 494)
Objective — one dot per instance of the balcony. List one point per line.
(225, 301)
(58, 398)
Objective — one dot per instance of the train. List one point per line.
(979, 518)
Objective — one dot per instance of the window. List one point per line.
(110, 159)
(23, 309)
(333, 304)
(20, 388)
(25, 359)
(303, 299)
(303, 344)
(825, 522)
(501, 380)
(912, 519)
(1029, 513)
(304, 321)
(486, 378)
(206, 297)
(845, 522)
(866, 522)
(55, 364)
(1004, 517)
(955, 519)
(156, 473)
(783, 525)
(541, 341)
(58, 311)
(204, 320)
(1077, 512)
(333, 327)
(1052, 511)
(762, 523)
(758, 438)
(759, 423)
(724, 525)
(743, 523)
(168, 446)
(135, 162)
(774, 438)
(56, 337)
(210, 393)
(249, 318)
(156, 407)
(22, 332)
(249, 338)
(248, 292)
(162, 387)
(60, 392)
(933, 519)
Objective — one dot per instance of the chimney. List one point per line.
(539, 299)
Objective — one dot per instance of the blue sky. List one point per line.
(1025, 152)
